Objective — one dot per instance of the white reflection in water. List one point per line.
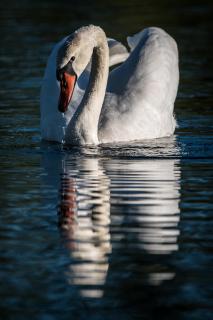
(108, 205)
(150, 193)
(84, 212)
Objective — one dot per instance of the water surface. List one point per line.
(122, 230)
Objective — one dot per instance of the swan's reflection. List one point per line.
(112, 213)
(145, 213)
(150, 195)
(84, 218)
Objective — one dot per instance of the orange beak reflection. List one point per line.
(67, 85)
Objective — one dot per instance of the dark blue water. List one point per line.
(111, 232)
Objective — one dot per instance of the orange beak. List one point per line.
(67, 85)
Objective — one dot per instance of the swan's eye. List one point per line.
(72, 58)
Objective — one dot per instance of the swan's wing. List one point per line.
(141, 92)
(117, 52)
(134, 40)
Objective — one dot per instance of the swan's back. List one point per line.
(141, 92)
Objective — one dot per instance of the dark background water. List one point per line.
(108, 232)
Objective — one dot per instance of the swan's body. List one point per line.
(134, 102)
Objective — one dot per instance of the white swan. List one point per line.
(135, 101)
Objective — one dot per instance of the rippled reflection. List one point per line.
(118, 220)
(84, 215)
(149, 193)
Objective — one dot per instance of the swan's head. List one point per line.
(73, 57)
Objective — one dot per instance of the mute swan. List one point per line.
(133, 102)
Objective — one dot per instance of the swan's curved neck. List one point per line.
(83, 128)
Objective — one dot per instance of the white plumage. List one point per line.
(137, 102)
